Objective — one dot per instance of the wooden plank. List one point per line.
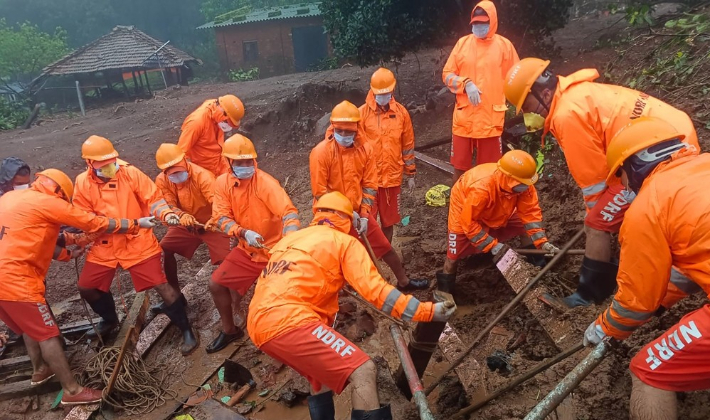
(23, 389)
(469, 371)
(82, 412)
(8, 365)
(437, 163)
(135, 318)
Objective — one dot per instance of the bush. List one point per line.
(12, 114)
(244, 75)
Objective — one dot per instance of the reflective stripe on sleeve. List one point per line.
(627, 313)
(124, 226)
(485, 243)
(594, 189)
(111, 225)
(683, 283)
(390, 301)
(533, 225)
(410, 310)
(537, 236)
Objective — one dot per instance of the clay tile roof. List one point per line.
(246, 15)
(124, 48)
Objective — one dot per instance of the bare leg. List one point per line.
(171, 270)
(598, 246)
(649, 403)
(392, 260)
(223, 301)
(450, 266)
(364, 387)
(168, 293)
(53, 354)
(89, 295)
(236, 301)
(457, 175)
(389, 232)
(33, 350)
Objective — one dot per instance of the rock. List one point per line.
(288, 398)
(411, 105)
(300, 386)
(244, 408)
(366, 324)
(430, 104)
(322, 125)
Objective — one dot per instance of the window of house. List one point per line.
(251, 50)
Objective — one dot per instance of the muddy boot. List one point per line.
(106, 308)
(414, 284)
(178, 316)
(536, 260)
(597, 281)
(321, 406)
(382, 413)
(160, 307)
(445, 282)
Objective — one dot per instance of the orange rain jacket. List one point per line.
(391, 136)
(350, 171)
(202, 139)
(193, 196)
(667, 225)
(132, 195)
(485, 62)
(29, 227)
(480, 201)
(585, 116)
(306, 271)
(259, 204)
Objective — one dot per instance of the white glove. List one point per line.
(551, 249)
(149, 222)
(77, 252)
(362, 226)
(253, 239)
(497, 248)
(594, 334)
(410, 183)
(172, 219)
(474, 94)
(443, 311)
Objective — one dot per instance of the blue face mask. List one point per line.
(480, 30)
(243, 172)
(521, 188)
(178, 177)
(383, 99)
(345, 141)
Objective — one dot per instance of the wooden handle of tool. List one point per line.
(243, 391)
(371, 252)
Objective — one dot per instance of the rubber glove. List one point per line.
(410, 183)
(148, 222)
(187, 220)
(362, 226)
(551, 249)
(172, 219)
(594, 335)
(443, 311)
(253, 239)
(474, 94)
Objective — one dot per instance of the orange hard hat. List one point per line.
(382, 81)
(345, 112)
(520, 79)
(234, 108)
(636, 136)
(168, 155)
(520, 166)
(61, 179)
(98, 148)
(335, 201)
(238, 147)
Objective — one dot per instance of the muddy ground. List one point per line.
(281, 119)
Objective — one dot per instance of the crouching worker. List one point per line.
(118, 189)
(491, 204)
(30, 221)
(252, 206)
(296, 299)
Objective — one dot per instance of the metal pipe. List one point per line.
(415, 385)
(524, 251)
(569, 383)
(518, 298)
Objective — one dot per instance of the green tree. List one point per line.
(25, 50)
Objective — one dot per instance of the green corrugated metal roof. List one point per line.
(242, 16)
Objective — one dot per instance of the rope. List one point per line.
(139, 387)
(86, 308)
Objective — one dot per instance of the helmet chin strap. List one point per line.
(539, 98)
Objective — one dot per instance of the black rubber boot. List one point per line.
(597, 281)
(178, 316)
(160, 307)
(415, 284)
(106, 308)
(536, 260)
(321, 406)
(222, 340)
(382, 413)
(445, 282)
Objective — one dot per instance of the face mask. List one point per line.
(383, 99)
(224, 126)
(107, 171)
(533, 122)
(21, 187)
(520, 188)
(178, 177)
(480, 30)
(345, 141)
(243, 172)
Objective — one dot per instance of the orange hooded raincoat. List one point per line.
(29, 227)
(481, 200)
(132, 195)
(193, 196)
(202, 139)
(391, 136)
(306, 271)
(584, 117)
(259, 204)
(485, 62)
(351, 171)
(667, 225)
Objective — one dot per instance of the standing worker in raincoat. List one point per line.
(14, 175)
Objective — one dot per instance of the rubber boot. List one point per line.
(321, 406)
(536, 260)
(159, 308)
(178, 316)
(106, 308)
(597, 281)
(445, 282)
(382, 413)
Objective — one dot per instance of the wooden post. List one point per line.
(81, 99)
(125, 88)
(135, 83)
(147, 82)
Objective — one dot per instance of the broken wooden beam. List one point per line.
(470, 372)
(128, 334)
(437, 163)
(23, 389)
(82, 412)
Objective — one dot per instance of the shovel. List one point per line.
(234, 372)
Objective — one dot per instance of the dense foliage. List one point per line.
(25, 50)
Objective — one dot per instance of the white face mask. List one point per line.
(383, 99)
(480, 30)
(345, 141)
(21, 187)
(224, 126)
(243, 172)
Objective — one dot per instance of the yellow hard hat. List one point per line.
(520, 166)
(98, 148)
(238, 147)
(335, 201)
(382, 81)
(168, 155)
(345, 112)
(234, 108)
(520, 79)
(61, 179)
(639, 134)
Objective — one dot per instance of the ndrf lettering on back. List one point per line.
(672, 343)
(614, 206)
(329, 338)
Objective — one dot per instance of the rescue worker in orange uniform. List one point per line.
(115, 188)
(189, 191)
(203, 132)
(584, 116)
(389, 128)
(249, 205)
(296, 299)
(29, 226)
(491, 204)
(14, 175)
(475, 73)
(666, 225)
(344, 162)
